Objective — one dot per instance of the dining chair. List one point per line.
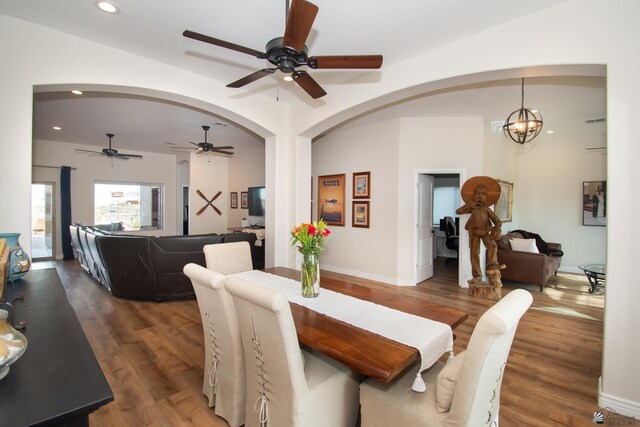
(287, 386)
(463, 392)
(224, 379)
(228, 258)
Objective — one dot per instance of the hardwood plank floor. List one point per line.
(152, 353)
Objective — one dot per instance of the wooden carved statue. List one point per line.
(479, 193)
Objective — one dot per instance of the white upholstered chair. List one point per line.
(287, 386)
(465, 391)
(228, 258)
(224, 380)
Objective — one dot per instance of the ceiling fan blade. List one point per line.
(79, 150)
(308, 84)
(120, 156)
(216, 209)
(138, 156)
(217, 195)
(217, 150)
(224, 147)
(299, 23)
(346, 61)
(221, 43)
(197, 145)
(252, 77)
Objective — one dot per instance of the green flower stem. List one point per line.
(310, 274)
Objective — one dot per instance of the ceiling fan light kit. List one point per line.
(524, 124)
(289, 52)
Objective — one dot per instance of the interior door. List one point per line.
(424, 264)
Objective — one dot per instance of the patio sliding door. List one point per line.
(42, 221)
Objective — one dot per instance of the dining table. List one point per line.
(365, 352)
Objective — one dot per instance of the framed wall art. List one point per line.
(360, 214)
(331, 199)
(234, 200)
(504, 206)
(244, 200)
(594, 203)
(362, 185)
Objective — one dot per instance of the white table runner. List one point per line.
(430, 338)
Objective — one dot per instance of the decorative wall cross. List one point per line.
(209, 202)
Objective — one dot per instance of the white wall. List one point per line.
(394, 151)
(152, 169)
(246, 170)
(209, 174)
(366, 252)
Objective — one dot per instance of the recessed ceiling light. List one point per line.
(550, 131)
(76, 92)
(57, 128)
(106, 6)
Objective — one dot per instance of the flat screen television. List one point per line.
(257, 197)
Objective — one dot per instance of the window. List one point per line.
(128, 206)
(445, 202)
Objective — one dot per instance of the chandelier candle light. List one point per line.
(523, 125)
(309, 238)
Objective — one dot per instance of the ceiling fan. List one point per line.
(207, 147)
(289, 52)
(110, 152)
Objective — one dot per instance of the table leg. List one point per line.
(596, 282)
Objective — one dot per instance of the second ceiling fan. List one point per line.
(207, 147)
(289, 52)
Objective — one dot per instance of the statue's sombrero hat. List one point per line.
(469, 187)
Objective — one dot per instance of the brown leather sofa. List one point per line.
(146, 267)
(527, 267)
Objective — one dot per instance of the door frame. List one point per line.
(54, 221)
(464, 266)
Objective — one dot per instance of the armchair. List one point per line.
(535, 267)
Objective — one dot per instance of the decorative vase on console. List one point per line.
(309, 238)
(19, 261)
(12, 344)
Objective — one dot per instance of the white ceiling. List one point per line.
(398, 30)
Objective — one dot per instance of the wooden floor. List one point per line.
(152, 353)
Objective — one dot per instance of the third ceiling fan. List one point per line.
(289, 52)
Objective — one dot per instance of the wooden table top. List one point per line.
(365, 352)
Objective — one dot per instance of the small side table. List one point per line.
(595, 274)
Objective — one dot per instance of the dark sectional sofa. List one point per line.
(147, 267)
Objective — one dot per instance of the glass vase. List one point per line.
(310, 272)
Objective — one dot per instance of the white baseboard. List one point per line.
(368, 276)
(617, 404)
(564, 269)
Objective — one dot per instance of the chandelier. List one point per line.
(523, 125)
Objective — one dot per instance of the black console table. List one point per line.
(58, 380)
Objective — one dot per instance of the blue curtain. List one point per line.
(65, 211)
